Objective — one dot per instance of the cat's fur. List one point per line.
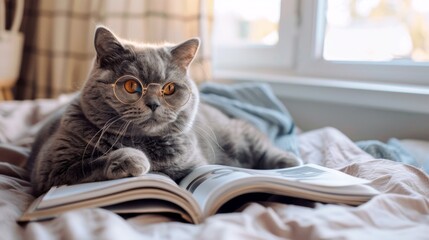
(96, 137)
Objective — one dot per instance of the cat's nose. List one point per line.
(153, 105)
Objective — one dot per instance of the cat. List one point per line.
(139, 111)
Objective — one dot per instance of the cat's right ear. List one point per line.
(106, 44)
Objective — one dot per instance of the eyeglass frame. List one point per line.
(145, 88)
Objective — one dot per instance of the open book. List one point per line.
(204, 192)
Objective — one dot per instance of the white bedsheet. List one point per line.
(401, 212)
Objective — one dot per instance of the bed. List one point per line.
(400, 212)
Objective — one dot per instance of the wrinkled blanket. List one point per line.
(257, 104)
(400, 212)
(395, 150)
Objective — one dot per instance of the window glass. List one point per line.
(377, 30)
(246, 22)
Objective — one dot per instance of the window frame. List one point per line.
(258, 56)
(299, 52)
(310, 56)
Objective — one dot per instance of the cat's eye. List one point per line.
(132, 86)
(129, 89)
(168, 89)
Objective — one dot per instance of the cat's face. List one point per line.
(145, 89)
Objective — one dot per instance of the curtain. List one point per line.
(59, 35)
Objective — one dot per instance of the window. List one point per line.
(255, 34)
(383, 41)
(377, 31)
(256, 23)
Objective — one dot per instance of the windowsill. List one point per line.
(404, 98)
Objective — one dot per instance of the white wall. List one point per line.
(363, 111)
(358, 123)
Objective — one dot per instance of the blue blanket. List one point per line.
(257, 104)
(392, 150)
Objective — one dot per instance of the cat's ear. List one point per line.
(106, 43)
(184, 53)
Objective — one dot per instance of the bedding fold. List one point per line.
(257, 104)
(400, 212)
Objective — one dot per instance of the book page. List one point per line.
(210, 184)
(320, 176)
(148, 206)
(309, 174)
(72, 193)
(119, 202)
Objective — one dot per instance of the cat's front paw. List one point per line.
(126, 162)
(280, 159)
(286, 160)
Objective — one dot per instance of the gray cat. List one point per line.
(139, 111)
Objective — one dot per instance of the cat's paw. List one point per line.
(282, 160)
(287, 160)
(126, 162)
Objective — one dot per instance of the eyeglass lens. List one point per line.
(129, 89)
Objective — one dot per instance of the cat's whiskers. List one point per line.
(212, 136)
(110, 121)
(132, 135)
(125, 131)
(208, 143)
(120, 134)
(206, 136)
(103, 131)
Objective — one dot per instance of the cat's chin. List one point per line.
(153, 127)
(155, 123)
(152, 122)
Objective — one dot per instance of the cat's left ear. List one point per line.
(184, 53)
(106, 43)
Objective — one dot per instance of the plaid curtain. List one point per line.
(59, 37)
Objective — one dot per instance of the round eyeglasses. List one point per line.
(129, 89)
